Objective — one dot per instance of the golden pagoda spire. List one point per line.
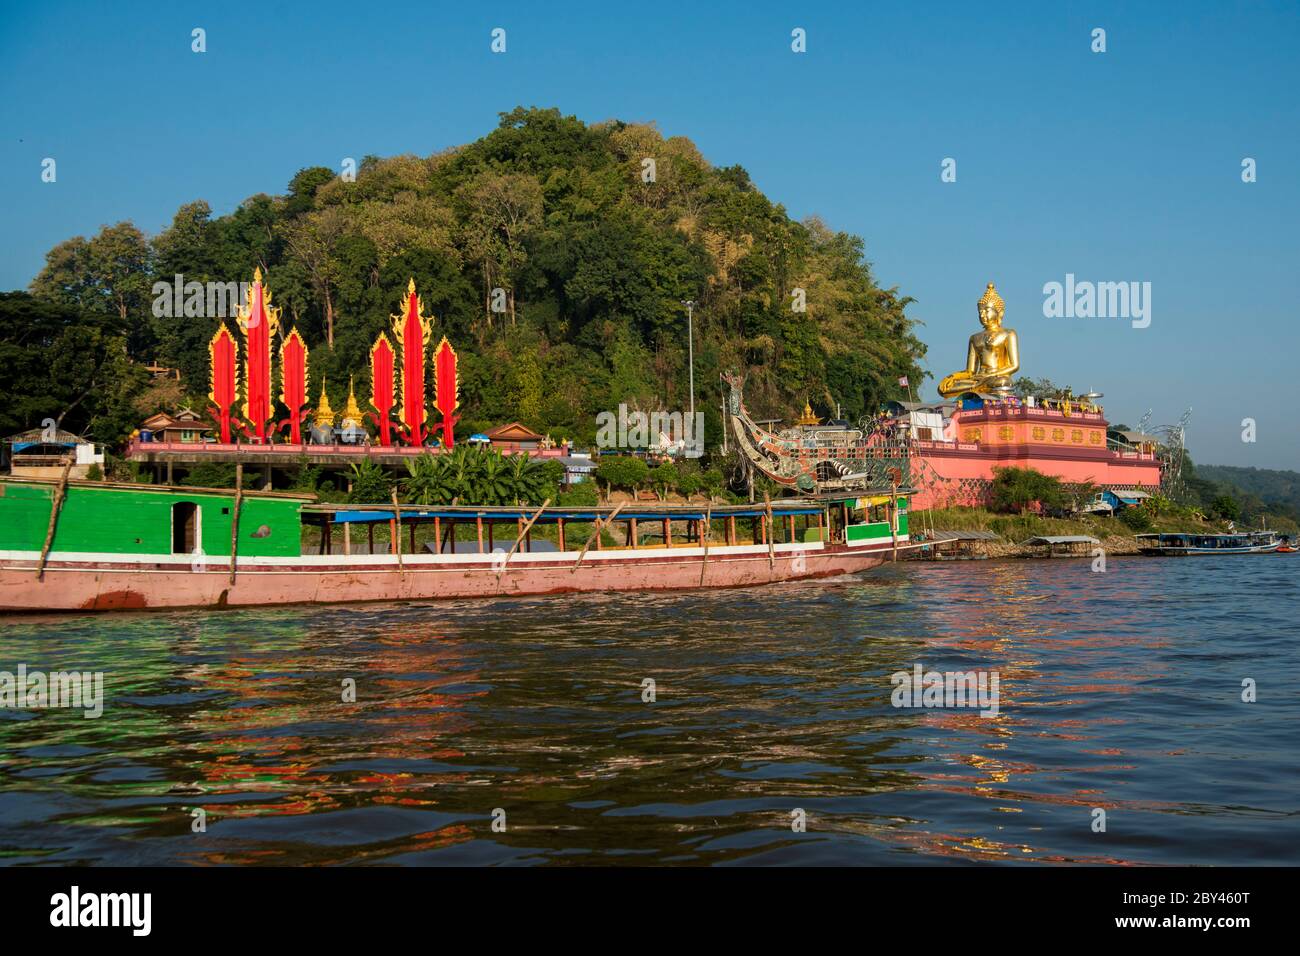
(352, 413)
(808, 417)
(324, 414)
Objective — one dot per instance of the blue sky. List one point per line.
(1119, 166)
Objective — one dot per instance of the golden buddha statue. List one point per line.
(992, 357)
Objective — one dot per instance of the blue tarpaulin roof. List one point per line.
(568, 514)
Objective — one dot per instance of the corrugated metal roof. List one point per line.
(965, 535)
(1063, 539)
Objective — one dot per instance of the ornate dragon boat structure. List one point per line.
(814, 459)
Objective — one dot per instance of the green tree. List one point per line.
(1018, 489)
(623, 473)
(1225, 507)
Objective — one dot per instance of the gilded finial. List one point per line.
(257, 273)
(324, 414)
(410, 286)
(352, 413)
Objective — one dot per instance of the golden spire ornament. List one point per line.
(324, 414)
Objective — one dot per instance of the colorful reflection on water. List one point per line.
(1119, 691)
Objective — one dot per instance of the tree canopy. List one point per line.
(554, 254)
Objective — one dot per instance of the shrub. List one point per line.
(1016, 489)
(1136, 519)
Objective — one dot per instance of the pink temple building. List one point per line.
(956, 446)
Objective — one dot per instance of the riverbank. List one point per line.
(1114, 536)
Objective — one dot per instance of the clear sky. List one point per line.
(1117, 166)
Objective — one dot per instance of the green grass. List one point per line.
(1020, 527)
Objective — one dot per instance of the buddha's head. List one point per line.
(991, 308)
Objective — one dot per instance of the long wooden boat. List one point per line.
(1178, 544)
(93, 546)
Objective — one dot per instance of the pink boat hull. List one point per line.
(108, 583)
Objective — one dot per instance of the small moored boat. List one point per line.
(1177, 544)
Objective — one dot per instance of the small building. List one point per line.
(512, 438)
(959, 545)
(185, 426)
(1062, 545)
(924, 421)
(577, 468)
(1121, 498)
(45, 452)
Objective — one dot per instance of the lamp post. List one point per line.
(690, 349)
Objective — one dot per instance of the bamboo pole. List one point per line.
(522, 533)
(234, 518)
(708, 533)
(56, 505)
(769, 532)
(397, 532)
(595, 535)
(893, 519)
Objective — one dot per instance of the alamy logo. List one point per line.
(670, 432)
(1100, 300)
(103, 909)
(198, 300)
(946, 689)
(36, 690)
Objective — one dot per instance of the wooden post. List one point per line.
(595, 536)
(478, 526)
(668, 533)
(347, 538)
(169, 471)
(790, 526)
(820, 536)
(397, 531)
(56, 505)
(631, 533)
(370, 537)
(412, 527)
(771, 537)
(559, 525)
(708, 533)
(731, 529)
(234, 517)
(522, 533)
(437, 533)
(893, 519)
(491, 525)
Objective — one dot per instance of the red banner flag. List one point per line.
(382, 391)
(445, 389)
(412, 332)
(258, 320)
(224, 355)
(294, 381)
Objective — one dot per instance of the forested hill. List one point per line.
(1279, 490)
(594, 261)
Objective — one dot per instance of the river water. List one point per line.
(522, 731)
